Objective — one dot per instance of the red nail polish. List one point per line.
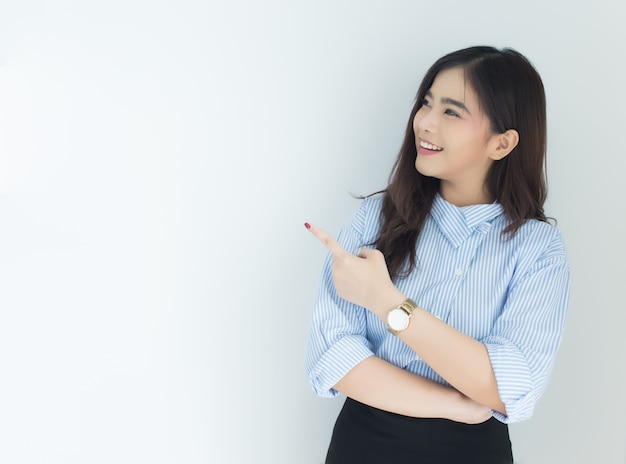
(307, 225)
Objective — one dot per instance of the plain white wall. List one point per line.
(157, 161)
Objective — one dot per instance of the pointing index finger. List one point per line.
(330, 243)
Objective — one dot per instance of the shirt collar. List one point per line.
(457, 223)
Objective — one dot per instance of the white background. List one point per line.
(157, 161)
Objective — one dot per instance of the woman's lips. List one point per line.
(425, 147)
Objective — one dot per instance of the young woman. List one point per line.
(442, 303)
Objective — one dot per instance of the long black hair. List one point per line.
(511, 95)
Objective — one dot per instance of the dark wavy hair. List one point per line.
(511, 95)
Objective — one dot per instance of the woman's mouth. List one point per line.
(427, 148)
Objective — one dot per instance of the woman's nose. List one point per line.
(426, 121)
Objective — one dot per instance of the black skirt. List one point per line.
(366, 435)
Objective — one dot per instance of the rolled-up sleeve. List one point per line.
(337, 337)
(526, 336)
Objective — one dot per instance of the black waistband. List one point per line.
(367, 435)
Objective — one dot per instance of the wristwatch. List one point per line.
(398, 318)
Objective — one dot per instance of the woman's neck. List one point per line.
(459, 196)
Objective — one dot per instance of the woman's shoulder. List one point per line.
(535, 230)
(367, 219)
(373, 203)
(538, 241)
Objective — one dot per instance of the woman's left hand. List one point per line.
(362, 279)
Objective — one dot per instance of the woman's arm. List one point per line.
(463, 362)
(382, 385)
(458, 358)
(512, 364)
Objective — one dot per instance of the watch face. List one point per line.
(398, 319)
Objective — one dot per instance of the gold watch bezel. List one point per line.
(408, 306)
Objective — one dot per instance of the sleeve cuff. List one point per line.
(346, 353)
(514, 380)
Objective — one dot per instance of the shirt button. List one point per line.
(458, 272)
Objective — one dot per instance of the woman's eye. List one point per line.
(425, 103)
(452, 113)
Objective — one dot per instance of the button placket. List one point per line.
(465, 255)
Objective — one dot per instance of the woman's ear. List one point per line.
(504, 144)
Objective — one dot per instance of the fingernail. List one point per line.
(307, 225)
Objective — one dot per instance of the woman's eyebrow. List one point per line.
(450, 101)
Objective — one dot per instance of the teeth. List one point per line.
(428, 146)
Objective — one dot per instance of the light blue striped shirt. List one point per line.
(511, 295)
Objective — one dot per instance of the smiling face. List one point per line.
(454, 140)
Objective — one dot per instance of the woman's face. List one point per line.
(453, 137)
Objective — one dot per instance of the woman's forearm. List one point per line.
(462, 361)
(382, 385)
